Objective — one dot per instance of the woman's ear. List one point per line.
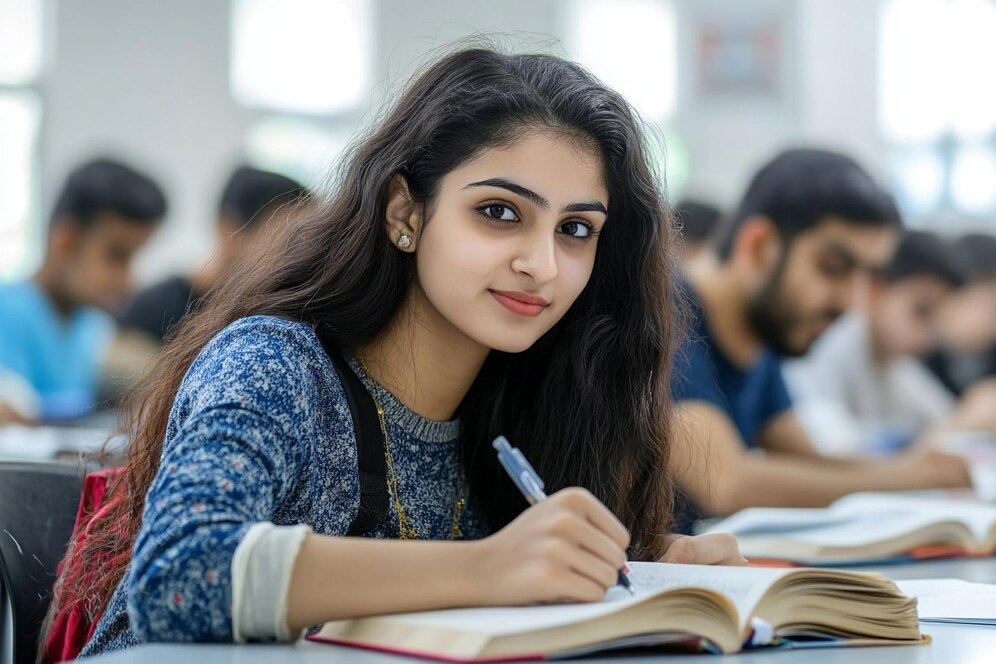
(758, 244)
(64, 238)
(403, 217)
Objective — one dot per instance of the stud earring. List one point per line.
(404, 241)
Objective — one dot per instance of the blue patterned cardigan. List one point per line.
(261, 431)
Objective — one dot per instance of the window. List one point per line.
(304, 66)
(937, 106)
(20, 118)
(301, 56)
(631, 45)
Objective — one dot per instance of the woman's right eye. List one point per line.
(498, 212)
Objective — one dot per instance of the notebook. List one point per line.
(687, 607)
(865, 528)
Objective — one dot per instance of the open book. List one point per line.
(865, 527)
(720, 609)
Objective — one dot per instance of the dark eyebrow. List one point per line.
(593, 206)
(539, 201)
(844, 253)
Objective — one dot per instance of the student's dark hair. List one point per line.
(697, 219)
(252, 195)
(106, 185)
(924, 254)
(588, 403)
(798, 188)
(976, 255)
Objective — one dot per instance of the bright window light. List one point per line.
(971, 56)
(631, 45)
(935, 71)
(912, 66)
(919, 182)
(19, 119)
(973, 180)
(304, 56)
(302, 150)
(20, 41)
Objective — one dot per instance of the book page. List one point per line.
(515, 619)
(744, 586)
(952, 600)
(776, 521)
(979, 517)
(852, 529)
(859, 519)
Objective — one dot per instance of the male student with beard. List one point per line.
(810, 229)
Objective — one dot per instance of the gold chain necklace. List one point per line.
(405, 528)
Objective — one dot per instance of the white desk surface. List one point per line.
(952, 644)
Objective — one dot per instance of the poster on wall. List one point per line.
(742, 53)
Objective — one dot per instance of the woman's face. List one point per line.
(511, 240)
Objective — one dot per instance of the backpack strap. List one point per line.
(369, 446)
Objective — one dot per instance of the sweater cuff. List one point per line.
(261, 577)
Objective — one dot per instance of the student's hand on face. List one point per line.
(709, 549)
(568, 547)
(928, 468)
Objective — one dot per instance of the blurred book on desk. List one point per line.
(89, 436)
(866, 528)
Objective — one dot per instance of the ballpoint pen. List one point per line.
(530, 484)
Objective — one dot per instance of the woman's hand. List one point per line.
(710, 549)
(568, 547)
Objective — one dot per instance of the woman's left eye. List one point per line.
(576, 229)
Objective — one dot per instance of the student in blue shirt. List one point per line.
(810, 229)
(55, 327)
(496, 259)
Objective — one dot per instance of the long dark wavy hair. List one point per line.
(588, 403)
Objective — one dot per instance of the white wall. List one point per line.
(832, 101)
(148, 80)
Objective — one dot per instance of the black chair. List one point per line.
(38, 503)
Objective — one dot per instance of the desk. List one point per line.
(84, 436)
(953, 644)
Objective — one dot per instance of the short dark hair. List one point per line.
(106, 185)
(799, 187)
(698, 220)
(924, 254)
(251, 194)
(976, 254)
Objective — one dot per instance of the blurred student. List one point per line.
(965, 358)
(810, 229)
(698, 221)
(252, 200)
(55, 327)
(863, 386)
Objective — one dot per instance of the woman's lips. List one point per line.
(521, 303)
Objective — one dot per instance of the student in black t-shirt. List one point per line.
(252, 199)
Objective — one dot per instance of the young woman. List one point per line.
(496, 260)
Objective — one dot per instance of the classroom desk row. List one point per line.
(952, 644)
